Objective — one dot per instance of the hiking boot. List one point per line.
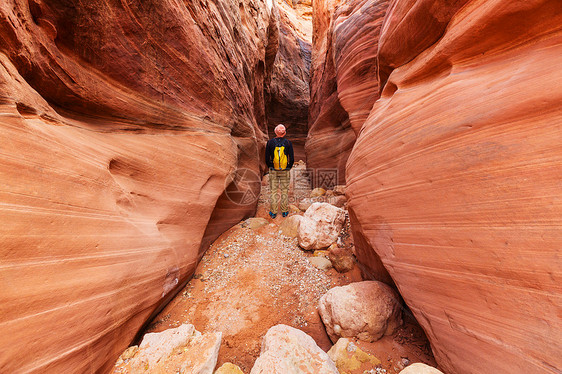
(285, 214)
(272, 215)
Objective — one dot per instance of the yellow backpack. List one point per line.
(279, 158)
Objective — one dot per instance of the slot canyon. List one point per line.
(132, 133)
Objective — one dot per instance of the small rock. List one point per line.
(318, 192)
(130, 352)
(349, 358)
(320, 253)
(290, 226)
(339, 190)
(338, 201)
(305, 203)
(226, 255)
(365, 310)
(419, 368)
(289, 350)
(229, 368)
(342, 260)
(321, 263)
(293, 209)
(255, 223)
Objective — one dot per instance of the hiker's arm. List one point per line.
(268, 155)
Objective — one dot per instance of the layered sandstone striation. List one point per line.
(289, 93)
(344, 82)
(131, 135)
(454, 181)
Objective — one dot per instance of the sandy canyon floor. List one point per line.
(252, 279)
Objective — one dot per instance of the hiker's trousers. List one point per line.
(279, 189)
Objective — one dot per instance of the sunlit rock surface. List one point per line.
(344, 82)
(456, 176)
(120, 125)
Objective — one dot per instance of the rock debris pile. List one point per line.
(256, 298)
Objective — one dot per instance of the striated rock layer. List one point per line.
(455, 178)
(121, 125)
(344, 82)
(289, 94)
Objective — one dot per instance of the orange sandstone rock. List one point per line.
(344, 82)
(129, 133)
(454, 181)
(289, 93)
(330, 137)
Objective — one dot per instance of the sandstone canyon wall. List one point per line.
(130, 132)
(344, 82)
(455, 178)
(289, 93)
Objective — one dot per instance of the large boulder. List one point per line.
(365, 310)
(288, 350)
(320, 226)
(182, 349)
(317, 192)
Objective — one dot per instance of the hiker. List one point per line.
(279, 158)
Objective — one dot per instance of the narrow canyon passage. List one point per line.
(254, 277)
(132, 134)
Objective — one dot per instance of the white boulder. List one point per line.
(320, 226)
(289, 350)
(365, 310)
(181, 349)
(419, 368)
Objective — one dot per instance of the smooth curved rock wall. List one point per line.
(455, 178)
(289, 92)
(344, 82)
(330, 137)
(356, 30)
(121, 125)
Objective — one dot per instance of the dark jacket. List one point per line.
(279, 142)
